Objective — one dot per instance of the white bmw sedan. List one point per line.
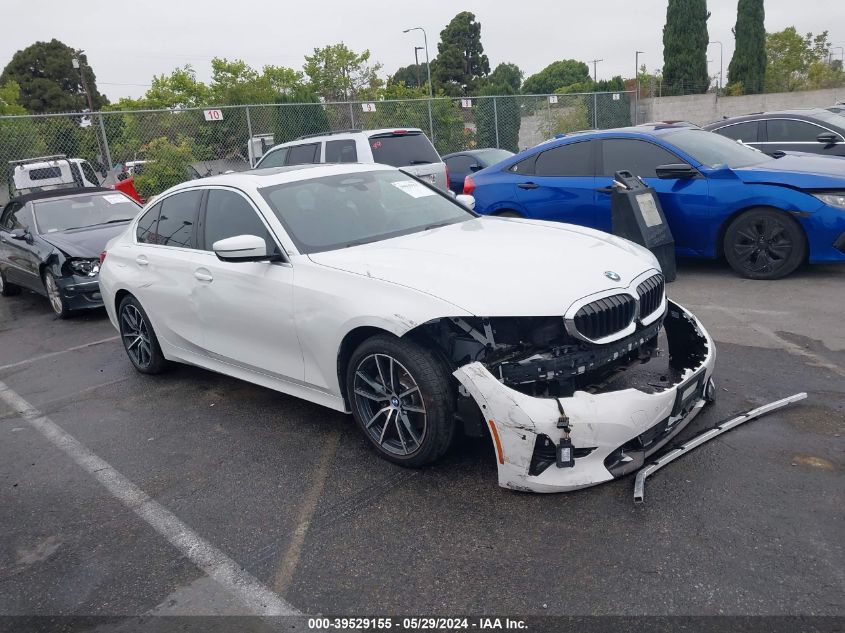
(365, 290)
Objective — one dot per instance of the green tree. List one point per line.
(555, 76)
(304, 115)
(412, 76)
(504, 114)
(506, 74)
(685, 41)
(49, 82)
(179, 89)
(10, 94)
(460, 60)
(338, 73)
(748, 64)
(168, 165)
(796, 62)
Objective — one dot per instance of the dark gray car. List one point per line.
(814, 130)
(50, 243)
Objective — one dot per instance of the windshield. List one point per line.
(331, 212)
(713, 150)
(403, 150)
(81, 211)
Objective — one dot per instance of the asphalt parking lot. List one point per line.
(748, 524)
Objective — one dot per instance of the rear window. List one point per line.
(45, 173)
(402, 150)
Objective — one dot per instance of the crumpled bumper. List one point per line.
(612, 433)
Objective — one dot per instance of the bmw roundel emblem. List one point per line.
(612, 275)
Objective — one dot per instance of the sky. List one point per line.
(129, 42)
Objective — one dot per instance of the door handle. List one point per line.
(528, 185)
(142, 260)
(605, 189)
(203, 275)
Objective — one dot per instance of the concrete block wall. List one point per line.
(707, 108)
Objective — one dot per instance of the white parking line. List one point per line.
(35, 359)
(231, 576)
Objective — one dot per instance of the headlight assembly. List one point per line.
(832, 198)
(85, 267)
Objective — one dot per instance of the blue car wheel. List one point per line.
(764, 244)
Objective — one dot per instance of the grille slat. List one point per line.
(605, 317)
(650, 293)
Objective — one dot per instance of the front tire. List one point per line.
(139, 338)
(57, 301)
(402, 398)
(764, 244)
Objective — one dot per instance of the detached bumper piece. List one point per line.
(611, 432)
(706, 436)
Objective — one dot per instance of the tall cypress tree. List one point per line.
(748, 64)
(685, 47)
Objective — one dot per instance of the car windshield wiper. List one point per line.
(88, 226)
(437, 226)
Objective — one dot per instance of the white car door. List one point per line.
(162, 268)
(245, 308)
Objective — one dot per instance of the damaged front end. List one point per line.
(579, 403)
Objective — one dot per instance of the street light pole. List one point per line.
(637, 79)
(103, 146)
(428, 70)
(721, 63)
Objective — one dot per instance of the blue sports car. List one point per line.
(721, 198)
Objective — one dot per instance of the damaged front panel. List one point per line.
(619, 408)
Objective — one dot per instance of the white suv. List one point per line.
(407, 148)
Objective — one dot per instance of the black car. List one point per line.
(462, 164)
(51, 241)
(815, 130)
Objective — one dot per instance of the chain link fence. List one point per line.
(161, 148)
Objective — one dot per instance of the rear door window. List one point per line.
(303, 154)
(341, 151)
(572, 159)
(747, 132)
(177, 219)
(460, 163)
(403, 150)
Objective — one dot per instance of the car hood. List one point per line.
(85, 242)
(499, 267)
(799, 170)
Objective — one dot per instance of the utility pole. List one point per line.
(594, 62)
(637, 78)
(417, 64)
(428, 69)
(102, 145)
(721, 62)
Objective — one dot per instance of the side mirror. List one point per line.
(241, 248)
(20, 234)
(827, 138)
(676, 171)
(467, 201)
(475, 167)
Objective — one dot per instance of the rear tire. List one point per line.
(402, 398)
(764, 244)
(139, 338)
(7, 289)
